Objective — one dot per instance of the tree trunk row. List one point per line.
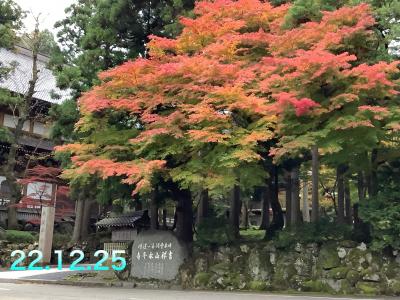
(234, 211)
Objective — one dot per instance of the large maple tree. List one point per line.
(198, 111)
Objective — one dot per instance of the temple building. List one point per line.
(35, 147)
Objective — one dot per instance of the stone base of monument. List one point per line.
(157, 255)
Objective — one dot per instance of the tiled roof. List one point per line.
(18, 80)
(126, 220)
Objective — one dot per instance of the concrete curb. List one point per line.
(71, 283)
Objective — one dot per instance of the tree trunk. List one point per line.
(153, 211)
(340, 198)
(76, 236)
(306, 210)
(295, 214)
(362, 231)
(202, 211)
(23, 114)
(277, 213)
(315, 181)
(245, 215)
(373, 187)
(347, 200)
(288, 195)
(138, 205)
(184, 212)
(15, 197)
(266, 194)
(234, 211)
(360, 187)
(11, 176)
(85, 220)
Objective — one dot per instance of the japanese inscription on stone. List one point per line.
(157, 255)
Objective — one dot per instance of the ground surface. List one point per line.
(14, 286)
(26, 291)
(52, 274)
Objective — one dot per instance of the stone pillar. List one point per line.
(46, 232)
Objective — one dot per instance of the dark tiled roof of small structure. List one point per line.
(125, 220)
(18, 80)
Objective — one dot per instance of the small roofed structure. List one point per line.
(124, 228)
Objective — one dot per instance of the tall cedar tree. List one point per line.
(10, 22)
(25, 107)
(97, 35)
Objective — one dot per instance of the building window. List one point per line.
(4, 192)
(40, 128)
(11, 122)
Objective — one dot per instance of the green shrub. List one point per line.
(257, 285)
(202, 279)
(320, 232)
(382, 212)
(2, 234)
(213, 231)
(252, 234)
(60, 241)
(15, 236)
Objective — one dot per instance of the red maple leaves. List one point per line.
(232, 74)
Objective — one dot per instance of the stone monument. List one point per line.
(157, 254)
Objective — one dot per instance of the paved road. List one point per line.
(52, 274)
(11, 291)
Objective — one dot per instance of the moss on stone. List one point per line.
(283, 273)
(304, 264)
(257, 285)
(338, 273)
(348, 244)
(202, 279)
(368, 288)
(221, 268)
(296, 282)
(316, 286)
(329, 258)
(259, 265)
(370, 275)
(357, 258)
(236, 281)
(346, 288)
(353, 277)
(313, 269)
(394, 287)
(391, 270)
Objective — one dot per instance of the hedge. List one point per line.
(15, 236)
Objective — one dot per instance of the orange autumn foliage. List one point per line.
(229, 82)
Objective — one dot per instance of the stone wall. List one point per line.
(6, 248)
(336, 268)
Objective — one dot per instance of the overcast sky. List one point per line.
(50, 10)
